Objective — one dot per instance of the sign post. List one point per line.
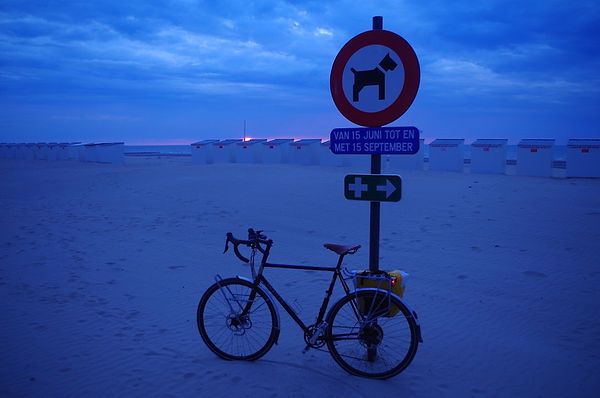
(374, 80)
(373, 187)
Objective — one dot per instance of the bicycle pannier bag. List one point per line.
(381, 280)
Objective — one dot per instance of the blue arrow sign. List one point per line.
(375, 140)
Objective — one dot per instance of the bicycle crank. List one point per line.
(314, 336)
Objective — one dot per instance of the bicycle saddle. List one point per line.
(341, 249)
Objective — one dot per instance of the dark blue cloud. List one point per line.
(270, 60)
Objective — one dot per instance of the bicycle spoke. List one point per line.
(234, 326)
(369, 342)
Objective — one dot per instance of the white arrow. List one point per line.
(388, 188)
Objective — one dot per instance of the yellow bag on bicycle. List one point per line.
(393, 282)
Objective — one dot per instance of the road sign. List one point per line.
(375, 78)
(373, 187)
(376, 140)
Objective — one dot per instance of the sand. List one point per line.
(102, 267)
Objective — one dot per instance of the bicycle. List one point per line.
(369, 332)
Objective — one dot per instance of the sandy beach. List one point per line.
(102, 267)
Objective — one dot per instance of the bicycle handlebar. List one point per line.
(255, 239)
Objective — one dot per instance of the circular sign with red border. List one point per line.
(375, 78)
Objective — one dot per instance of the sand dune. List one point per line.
(102, 267)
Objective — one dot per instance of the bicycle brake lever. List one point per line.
(227, 242)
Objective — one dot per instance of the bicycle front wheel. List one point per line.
(372, 334)
(237, 320)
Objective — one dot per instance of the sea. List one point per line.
(163, 150)
(560, 151)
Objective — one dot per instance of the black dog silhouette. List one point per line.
(372, 77)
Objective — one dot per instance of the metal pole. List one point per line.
(375, 206)
(375, 216)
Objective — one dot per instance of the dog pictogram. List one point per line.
(372, 77)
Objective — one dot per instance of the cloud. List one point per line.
(277, 54)
(468, 79)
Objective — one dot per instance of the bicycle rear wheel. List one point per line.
(368, 337)
(236, 320)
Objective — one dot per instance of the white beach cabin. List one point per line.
(488, 156)
(90, 152)
(110, 152)
(13, 149)
(306, 151)
(534, 157)
(277, 150)
(202, 152)
(249, 151)
(405, 162)
(77, 151)
(68, 151)
(21, 149)
(224, 151)
(30, 151)
(583, 158)
(447, 154)
(329, 158)
(39, 150)
(52, 151)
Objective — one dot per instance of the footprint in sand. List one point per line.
(535, 274)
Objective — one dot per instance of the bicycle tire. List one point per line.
(365, 340)
(227, 330)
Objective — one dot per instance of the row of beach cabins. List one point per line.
(106, 152)
(535, 157)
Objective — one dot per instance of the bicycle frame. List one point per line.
(260, 279)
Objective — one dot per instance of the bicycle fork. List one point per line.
(237, 321)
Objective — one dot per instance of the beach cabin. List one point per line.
(405, 162)
(40, 150)
(488, 156)
(583, 158)
(15, 151)
(11, 152)
(32, 147)
(534, 157)
(20, 151)
(306, 151)
(277, 150)
(447, 155)
(52, 151)
(77, 151)
(110, 152)
(90, 152)
(249, 151)
(202, 152)
(27, 151)
(328, 158)
(64, 152)
(224, 151)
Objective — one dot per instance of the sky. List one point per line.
(176, 72)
